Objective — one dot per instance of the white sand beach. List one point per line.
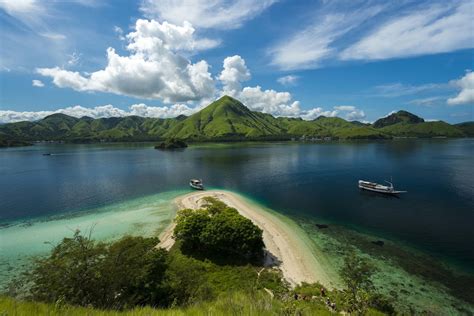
(291, 250)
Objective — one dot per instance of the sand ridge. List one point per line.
(290, 251)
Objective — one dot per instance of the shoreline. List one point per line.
(287, 245)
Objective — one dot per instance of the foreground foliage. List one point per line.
(116, 275)
(131, 276)
(237, 303)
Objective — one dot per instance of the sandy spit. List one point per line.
(287, 246)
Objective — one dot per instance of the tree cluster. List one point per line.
(172, 143)
(219, 231)
(118, 275)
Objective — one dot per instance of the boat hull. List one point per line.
(196, 187)
(381, 191)
(375, 187)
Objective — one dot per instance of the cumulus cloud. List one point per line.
(270, 101)
(466, 95)
(8, 116)
(276, 103)
(441, 27)
(316, 112)
(154, 69)
(349, 112)
(289, 80)
(161, 111)
(37, 83)
(219, 14)
(234, 72)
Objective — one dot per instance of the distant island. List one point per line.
(226, 119)
(172, 143)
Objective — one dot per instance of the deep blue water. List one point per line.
(315, 180)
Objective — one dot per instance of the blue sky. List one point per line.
(359, 60)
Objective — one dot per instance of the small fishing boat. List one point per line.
(380, 188)
(196, 184)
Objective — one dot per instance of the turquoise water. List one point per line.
(303, 180)
(145, 216)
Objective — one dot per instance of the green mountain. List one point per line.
(226, 118)
(467, 128)
(398, 117)
(406, 124)
(223, 120)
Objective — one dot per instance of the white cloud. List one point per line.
(466, 95)
(150, 37)
(430, 101)
(233, 73)
(118, 30)
(349, 112)
(270, 101)
(53, 36)
(74, 59)
(355, 115)
(400, 89)
(21, 7)
(316, 112)
(276, 103)
(37, 83)
(289, 80)
(343, 31)
(33, 14)
(161, 111)
(220, 14)
(442, 27)
(345, 107)
(154, 68)
(308, 47)
(8, 116)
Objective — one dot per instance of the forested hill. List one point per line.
(225, 119)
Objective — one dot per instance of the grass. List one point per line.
(237, 303)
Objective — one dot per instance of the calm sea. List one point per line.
(314, 180)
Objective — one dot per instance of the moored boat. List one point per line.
(196, 184)
(380, 188)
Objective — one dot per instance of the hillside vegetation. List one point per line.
(214, 267)
(226, 119)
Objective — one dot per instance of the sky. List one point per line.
(359, 60)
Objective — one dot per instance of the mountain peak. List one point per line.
(58, 116)
(398, 117)
(227, 103)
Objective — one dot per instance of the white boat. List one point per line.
(380, 188)
(196, 184)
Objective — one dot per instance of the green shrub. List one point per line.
(219, 232)
(80, 271)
